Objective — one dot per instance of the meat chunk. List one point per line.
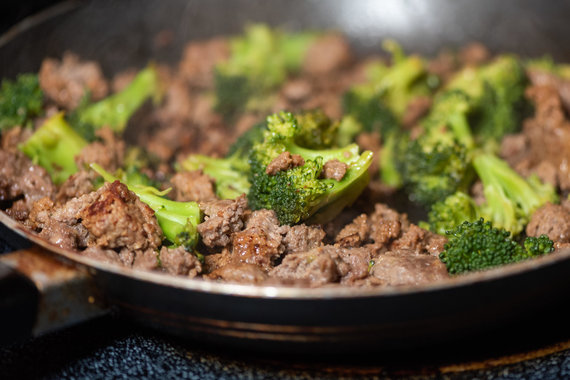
(199, 59)
(242, 273)
(222, 219)
(284, 161)
(193, 186)
(313, 268)
(76, 185)
(260, 242)
(66, 82)
(415, 110)
(116, 218)
(178, 261)
(109, 153)
(407, 268)
(474, 54)
(327, 54)
(22, 181)
(551, 220)
(334, 169)
(12, 137)
(301, 238)
(355, 233)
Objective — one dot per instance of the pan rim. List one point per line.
(243, 290)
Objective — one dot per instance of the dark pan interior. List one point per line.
(120, 34)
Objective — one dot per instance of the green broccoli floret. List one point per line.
(259, 62)
(245, 142)
(511, 200)
(452, 211)
(496, 91)
(115, 110)
(300, 194)
(20, 101)
(365, 105)
(547, 64)
(474, 246)
(437, 164)
(316, 130)
(178, 220)
(54, 146)
(135, 162)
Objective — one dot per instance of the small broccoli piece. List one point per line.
(392, 150)
(457, 208)
(54, 146)
(230, 173)
(115, 110)
(316, 130)
(259, 62)
(135, 162)
(364, 104)
(300, 194)
(475, 246)
(497, 95)
(510, 199)
(348, 129)
(437, 164)
(20, 101)
(178, 220)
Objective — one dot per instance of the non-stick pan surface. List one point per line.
(120, 34)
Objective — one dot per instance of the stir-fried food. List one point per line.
(282, 158)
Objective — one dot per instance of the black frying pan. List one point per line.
(120, 34)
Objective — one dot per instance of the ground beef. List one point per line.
(199, 59)
(313, 268)
(301, 238)
(217, 260)
(444, 65)
(14, 136)
(116, 218)
(146, 260)
(297, 90)
(416, 109)
(76, 185)
(193, 186)
(551, 220)
(66, 82)
(407, 268)
(178, 261)
(222, 219)
(109, 153)
(260, 242)
(242, 273)
(354, 234)
(327, 54)
(107, 256)
(334, 169)
(418, 240)
(22, 181)
(474, 54)
(284, 161)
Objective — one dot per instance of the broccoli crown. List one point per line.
(20, 101)
(299, 193)
(474, 246)
(116, 110)
(178, 220)
(430, 173)
(497, 93)
(365, 105)
(510, 199)
(260, 60)
(457, 208)
(54, 146)
(316, 130)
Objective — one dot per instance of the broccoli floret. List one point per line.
(135, 162)
(299, 194)
(245, 142)
(511, 200)
(348, 129)
(547, 64)
(115, 110)
(178, 220)
(452, 211)
(496, 91)
(474, 246)
(54, 146)
(316, 130)
(20, 101)
(260, 61)
(364, 104)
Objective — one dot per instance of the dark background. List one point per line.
(13, 11)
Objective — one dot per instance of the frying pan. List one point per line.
(45, 287)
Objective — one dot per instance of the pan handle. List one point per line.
(39, 294)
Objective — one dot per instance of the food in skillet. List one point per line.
(315, 195)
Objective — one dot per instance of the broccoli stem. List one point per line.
(115, 110)
(54, 147)
(178, 220)
(229, 173)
